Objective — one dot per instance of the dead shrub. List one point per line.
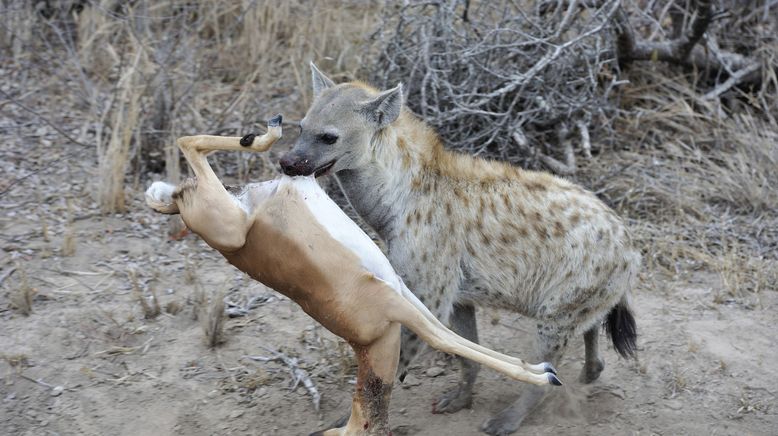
(22, 296)
(151, 307)
(213, 322)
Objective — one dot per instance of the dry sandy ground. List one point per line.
(86, 361)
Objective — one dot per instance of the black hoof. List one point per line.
(553, 379)
(549, 368)
(247, 140)
(275, 121)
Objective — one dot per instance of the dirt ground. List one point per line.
(88, 361)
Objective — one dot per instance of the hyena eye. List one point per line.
(327, 138)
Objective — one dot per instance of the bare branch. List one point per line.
(566, 168)
(733, 80)
(476, 81)
(702, 19)
(684, 50)
(298, 374)
(586, 144)
(42, 118)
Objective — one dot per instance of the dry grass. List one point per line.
(16, 361)
(198, 302)
(190, 270)
(143, 73)
(696, 179)
(151, 307)
(21, 297)
(69, 238)
(173, 307)
(112, 159)
(213, 322)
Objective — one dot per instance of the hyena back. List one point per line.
(464, 231)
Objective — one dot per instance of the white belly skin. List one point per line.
(342, 228)
(337, 223)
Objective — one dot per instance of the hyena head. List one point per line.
(336, 132)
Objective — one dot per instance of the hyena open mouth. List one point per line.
(324, 169)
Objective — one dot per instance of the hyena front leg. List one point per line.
(552, 341)
(463, 322)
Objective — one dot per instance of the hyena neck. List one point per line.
(372, 197)
(380, 190)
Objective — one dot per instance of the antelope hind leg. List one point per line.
(377, 365)
(443, 339)
(159, 197)
(539, 368)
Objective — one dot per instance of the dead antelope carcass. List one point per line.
(289, 235)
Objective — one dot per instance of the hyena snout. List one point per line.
(293, 164)
(296, 164)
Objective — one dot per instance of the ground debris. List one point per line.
(235, 309)
(298, 374)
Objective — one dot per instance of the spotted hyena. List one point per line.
(464, 231)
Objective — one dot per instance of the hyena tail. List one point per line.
(620, 325)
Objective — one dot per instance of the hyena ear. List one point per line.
(320, 81)
(384, 108)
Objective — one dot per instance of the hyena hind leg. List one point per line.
(593, 364)
(552, 342)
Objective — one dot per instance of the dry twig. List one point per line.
(298, 374)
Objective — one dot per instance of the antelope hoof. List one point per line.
(275, 121)
(552, 379)
(547, 367)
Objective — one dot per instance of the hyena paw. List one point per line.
(591, 371)
(504, 423)
(454, 400)
(159, 197)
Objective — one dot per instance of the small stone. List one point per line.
(435, 371)
(236, 414)
(409, 381)
(57, 391)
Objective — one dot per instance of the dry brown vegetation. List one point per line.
(92, 94)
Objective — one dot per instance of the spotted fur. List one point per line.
(464, 231)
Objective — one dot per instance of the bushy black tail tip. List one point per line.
(621, 327)
(275, 121)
